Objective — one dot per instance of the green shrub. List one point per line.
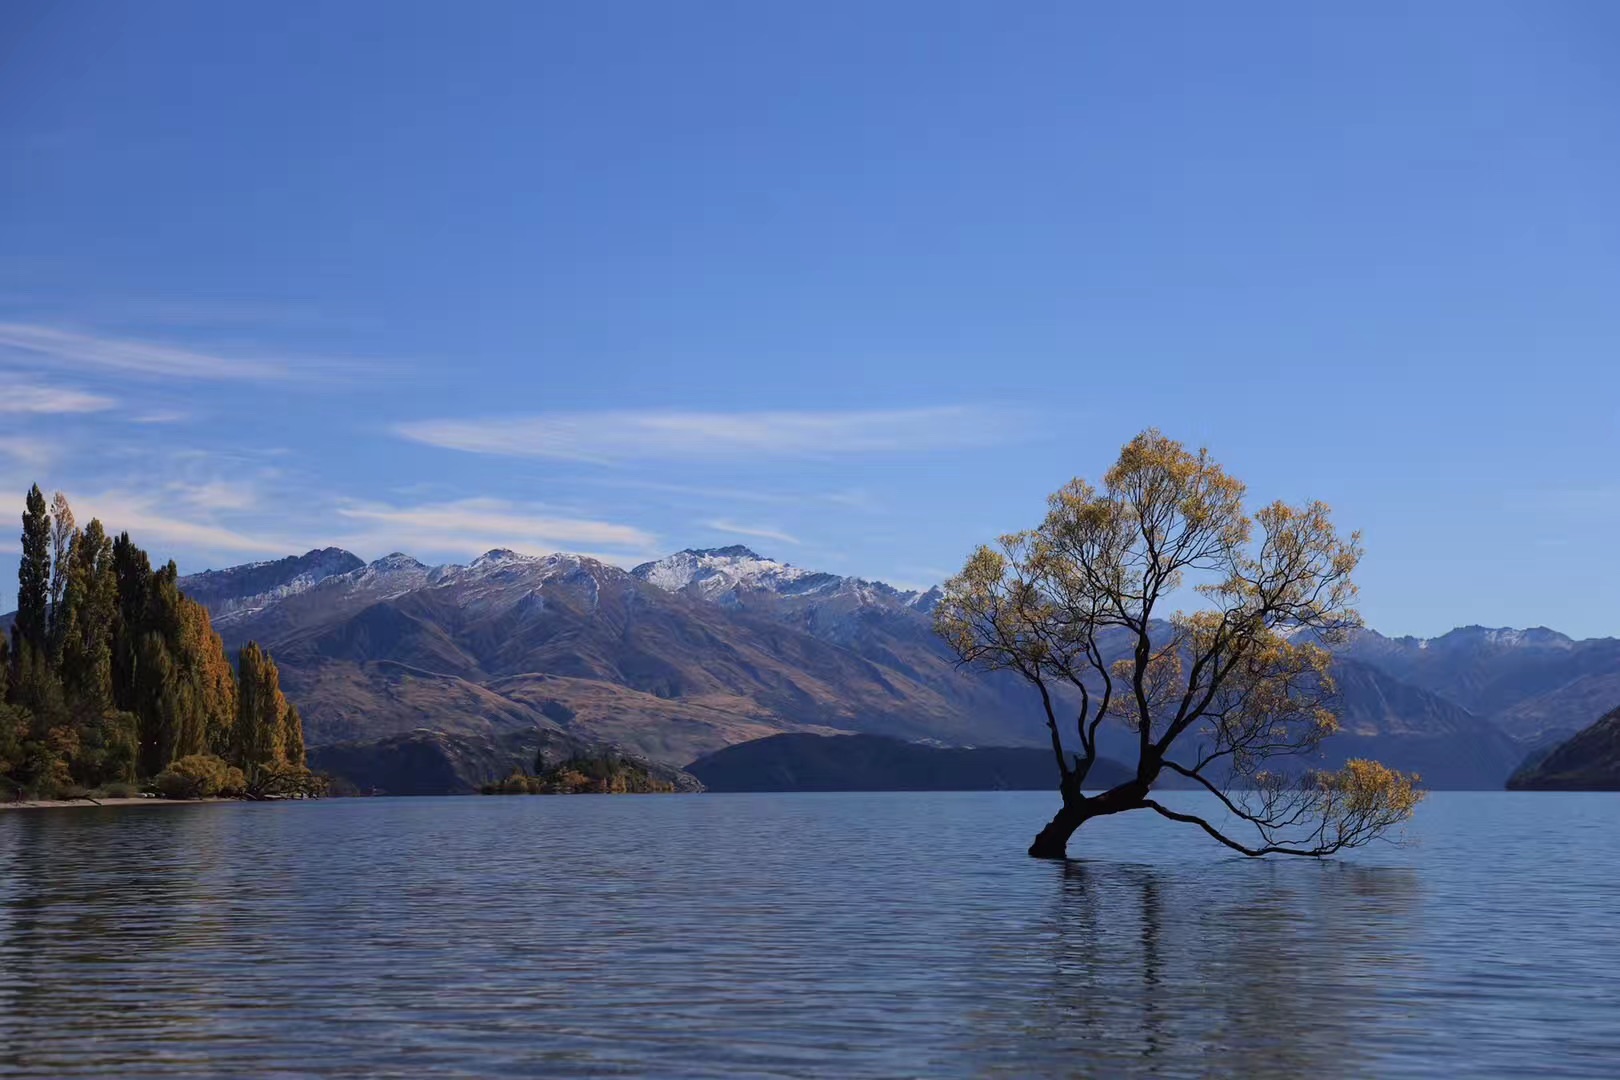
(200, 776)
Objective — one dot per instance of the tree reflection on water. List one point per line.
(1232, 968)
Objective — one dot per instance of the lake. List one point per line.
(833, 934)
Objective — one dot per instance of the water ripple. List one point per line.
(786, 935)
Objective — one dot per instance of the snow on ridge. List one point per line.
(1503, 637)
(316, 565)
(716, 572)
(721, 574)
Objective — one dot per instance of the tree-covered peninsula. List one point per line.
(594, 774)
(113, 679)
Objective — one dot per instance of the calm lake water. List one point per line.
(841, 935)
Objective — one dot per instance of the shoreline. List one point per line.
(86, 804)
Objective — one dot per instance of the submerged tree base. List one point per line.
(1052, 842)
(1314, 816)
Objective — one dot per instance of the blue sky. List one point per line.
(855, 284)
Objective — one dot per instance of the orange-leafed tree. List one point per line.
(1080, 607)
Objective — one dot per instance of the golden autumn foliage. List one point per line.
(603, 774)
(114, 673)
(1080, 606)
(199, 776)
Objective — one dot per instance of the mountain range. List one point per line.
(707, 648)
(1588, 761)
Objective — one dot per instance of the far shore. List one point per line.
(61, 804)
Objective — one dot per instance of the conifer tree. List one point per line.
(89, 610)
(45, 730)
(132, 575)
(34, 573)
(153, 706)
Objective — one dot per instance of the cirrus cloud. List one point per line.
(475, 525)
(31, 397)
(74, 349)
(758, 532)
(614, 436)
(117, 357)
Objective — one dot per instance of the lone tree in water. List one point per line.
(1077, 607)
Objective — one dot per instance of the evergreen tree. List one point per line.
(89, 613)
(34, 573)
(13, 723)
(153, 703)
(132, 583)
(38, 691)
(47, 736)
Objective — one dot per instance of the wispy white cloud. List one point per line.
(130, 356)
(473, 526)
(852, 499)
(82, 350)
(216, 495)
(759, 532)
(656, 435)
(159, 416)
(34, 452)
(156, 525)
(198, 506)
(33, 397)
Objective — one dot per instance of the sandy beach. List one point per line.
(62, 804)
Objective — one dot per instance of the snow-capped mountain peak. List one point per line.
(1472, 637)
(718, 573)
(727, 575)
(495, 556)
(254, 585)
(397, 560)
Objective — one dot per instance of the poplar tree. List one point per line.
(62, 535)
(113, 672)
(88, 615)
(34, 572)
(292, 737)
(260, 708)
(132, 577)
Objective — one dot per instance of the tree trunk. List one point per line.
(1053, 841)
